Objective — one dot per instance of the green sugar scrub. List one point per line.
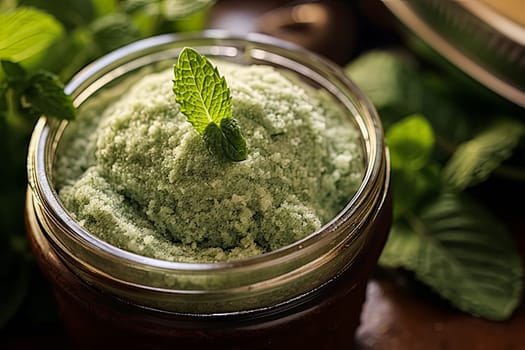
(134, 172)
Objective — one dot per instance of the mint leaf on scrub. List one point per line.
(205, 100)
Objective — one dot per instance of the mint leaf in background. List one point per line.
(413, 188)
(174, 9)
(30, 95)
(397, 87)
(463, 253)
(162, 16)
(13, 85)
(170, 9)
(26, 33)
(476, 159)
(113, 31)
(45, 96)
(451, 243)
(205, 99)
(411, 142)
(391, 82)
(71, 13)
(13, 71)
(103, 7)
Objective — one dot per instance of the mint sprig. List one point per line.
(205, 100)
(28, 95)
(448, 241)
(456, 247)
(439, 154)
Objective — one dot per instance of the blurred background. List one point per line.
(383, 47)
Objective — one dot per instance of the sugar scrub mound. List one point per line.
(136, 174)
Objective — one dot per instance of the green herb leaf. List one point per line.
(169, 9)
(13, 86)
(463, 253)
(475, 159)
(45, 95)
(31, 95)
(71, 13)
(413, 188)
(202, 93)
(13, 71)
(411, 142)
(113, 31)
(205, 99)
(391, 82)
(227, 138)
(26, 32)
(397, 87)
(174, 9)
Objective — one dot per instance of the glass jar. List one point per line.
(309, 293)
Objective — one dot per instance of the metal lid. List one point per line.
(484, 38)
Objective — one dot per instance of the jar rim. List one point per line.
(369, 125)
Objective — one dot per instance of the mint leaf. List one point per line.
(72, 13)
(397, 87)
(113, 31)
(390, 80)
(476, 159)
(169, 9)
(205, 99)
(26, 95)
(202, 93)
(45, 95)
(13, 71)
(227, 138)
(411, 142)
(175, 9)
(463, 253)
(26, 33)
(413, 188)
